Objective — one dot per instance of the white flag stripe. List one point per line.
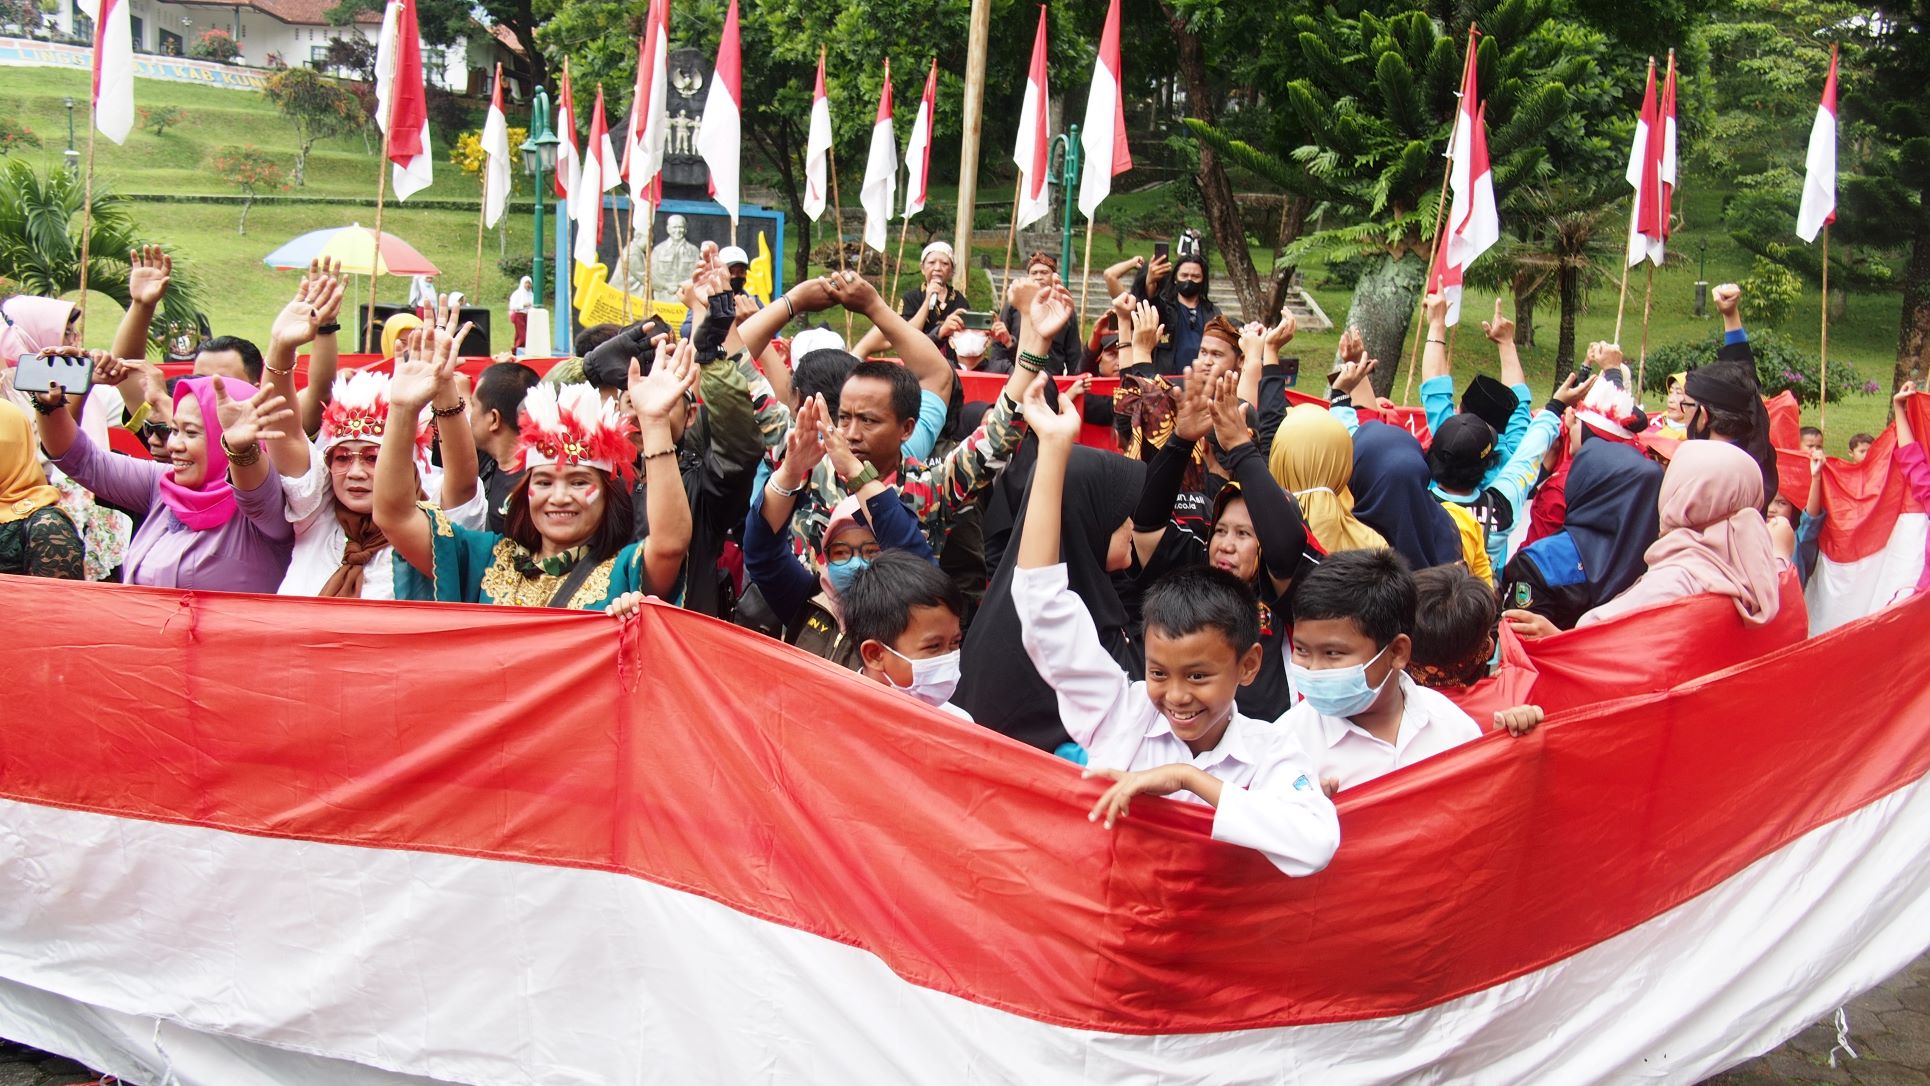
(880, 184)
(496, 175)
(114, 71)
(405, 180)
(817, 152)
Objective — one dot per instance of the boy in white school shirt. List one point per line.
(1178, 731)
(1362, 716)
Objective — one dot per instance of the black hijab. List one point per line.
(1390, 488)
(1613, 515)
(998, 684)
(1731, 386)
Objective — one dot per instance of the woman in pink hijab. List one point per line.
(214, 516)
(1714, 538)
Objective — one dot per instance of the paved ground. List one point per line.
(1889, 1027)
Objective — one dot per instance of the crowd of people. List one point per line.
(1249, 605)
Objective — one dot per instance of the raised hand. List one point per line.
(1156, 272)
(1146, 330)
(1253, 339)
(1435, 308)
(246, 422)
(1570, 393)
(417, 374)
(329, 305)
(1727, 297)
(1122, 311)
(1500, 329)
(1229, 414)
(1281, 334)
(1051, 310)
(1353, 346)
(1903, 394)
(1604, 356)
(804, 445)
(660, 393)
(316, 295)
(1193, 413)
(843, 460)
(853, 291)
(1058, 427)
(812, 295)
(1351, 374)
(149, 270)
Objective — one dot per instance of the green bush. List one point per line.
(1345, 273)
(515, 267)
(1780, 364)
(1769, 293)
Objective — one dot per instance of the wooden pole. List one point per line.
(1622, 299)
(482, 211)
(976, 47)
(837, 215)
(1642, 359)
(898, 266)
(1011, 239)
(1085, 275)
(1420, 318)
(649, 258)
(87, 219)
(629, 235)
(1822, 385)
(381, 194)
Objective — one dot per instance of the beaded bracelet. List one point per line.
(449, 412)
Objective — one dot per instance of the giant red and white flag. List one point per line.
(1666, 171)
(649, 111)
(1104, 138)
(113, 68)
(1473, 225)
(880, 190)
(1648, 217)
(569, 161)
(817, 149)
(1819, 168)
(720, 134)
(402, 99)
(496, 165)
(495, 893)
(600, 174)
(1033, 152)
(918, 146)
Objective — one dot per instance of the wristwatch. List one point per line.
(857, 482)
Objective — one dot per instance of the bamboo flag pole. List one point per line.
(1420, 321)
(381, 194)
(1642, 359)
(623, 260)
(482, 212)
(649, 258)
(898, 265)
(1634, 209)
(1011, 235)
(837, 214)
(1085, 276)
(1822, 387)
(87, 216)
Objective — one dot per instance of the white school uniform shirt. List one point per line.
(309, 503)
(1343, 750)
(1270, 801)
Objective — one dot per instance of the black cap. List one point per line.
(1493, 402)
(1463, 442)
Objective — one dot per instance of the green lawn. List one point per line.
(241, 295)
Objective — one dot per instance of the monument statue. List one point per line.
(672, 260)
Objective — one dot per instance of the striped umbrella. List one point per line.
(354, 246)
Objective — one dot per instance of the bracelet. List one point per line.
(1442, 342)
(790, 311)
(45, 408)
(659, 452)
(241, 458)
(1038, 361)
(328, 329)
(276, 372)
(792, 492)
(449, 412)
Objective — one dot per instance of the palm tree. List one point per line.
(1567, 237)
(40, 254)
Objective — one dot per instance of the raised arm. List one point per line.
(149, 271)
(1277, 523)
(1118, 276)
(915, 349)
(245, 424)
(1501, 330)
(1166, 474)
(1437, 379)
(408, 530)
(1057, 431)
(803, 451)
(294, 327)
(450, 405)
(324, 356)
(654, 397)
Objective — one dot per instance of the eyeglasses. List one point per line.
(842, 552)
(342, 460)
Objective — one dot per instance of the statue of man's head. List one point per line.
(675, 226)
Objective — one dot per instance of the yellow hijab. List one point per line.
(1312, 459)
(23, 486)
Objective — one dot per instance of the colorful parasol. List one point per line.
(354, 246)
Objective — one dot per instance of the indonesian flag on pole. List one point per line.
(569, 163)
(817, 149)
(113, 68)
(600, 174)
(880, 172)
(1033, 152)
(1666, 171)
(1104, 138)
(1819, 178)
(495, 145)
(1473, 225)
(402, 99)
(720, 135)
(918, 147)
(1647, 227)
(649, 111)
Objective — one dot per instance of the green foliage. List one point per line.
(40, 251)
(318, 107)
(216, 45)
(354, 54)
(15, 136)
(1780, 365)
(251, 170)
(161, 118)
(514, 267)
(1769, 292)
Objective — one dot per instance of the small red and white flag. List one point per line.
(569, 163)
(649, 111)
(1104, 138)
(1033, 152)
(880, 172)
(113, 68)
(1651, 172)
(495, 145)
(720, 136)
(1473, 224)
(817, 149)
(402, 99)
(1819, 176)
(918, 147)
(600, 174)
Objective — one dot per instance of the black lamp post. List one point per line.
(539, 161)
(71, 156)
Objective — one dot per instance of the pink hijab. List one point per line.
(844, 515)
(212, 504)
(1714, 538)
(29, 325)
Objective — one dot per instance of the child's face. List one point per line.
(1781, 507)
(1192, 679)
(1812, 441)
(1323, 643)
(1859, 451)
(931, 631)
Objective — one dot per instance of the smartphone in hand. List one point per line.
(44, 373)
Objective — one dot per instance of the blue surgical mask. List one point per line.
(1337, 691)
(844, 571)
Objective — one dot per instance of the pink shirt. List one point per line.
(1916, 472)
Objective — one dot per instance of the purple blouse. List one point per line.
(247, 554)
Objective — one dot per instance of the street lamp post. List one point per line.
(539, 160)
(1702, 282)
(72, 156)
(1066, 146)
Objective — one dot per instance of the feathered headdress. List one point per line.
(574, 425)
(1610, 411)
(358, 410)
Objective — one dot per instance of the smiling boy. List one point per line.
(1177, 732)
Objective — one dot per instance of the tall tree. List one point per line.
(317, 106)
(1895, 197)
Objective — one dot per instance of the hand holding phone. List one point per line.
(1161, 250)
(72, 374)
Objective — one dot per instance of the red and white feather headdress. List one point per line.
(574, 424)
(359, 411)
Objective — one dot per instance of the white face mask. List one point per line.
(932, 679)
(969, 344)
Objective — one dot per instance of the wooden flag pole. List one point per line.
(837, 216)
(649, 258)
(1085, 275)
(482, 213)
(1822, 387)
(1011, 235)
(87, 217)
(1642, 359)
(381, 194)
(629, 235)
(1622, 299)
(1420, 320)
(898, 266)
